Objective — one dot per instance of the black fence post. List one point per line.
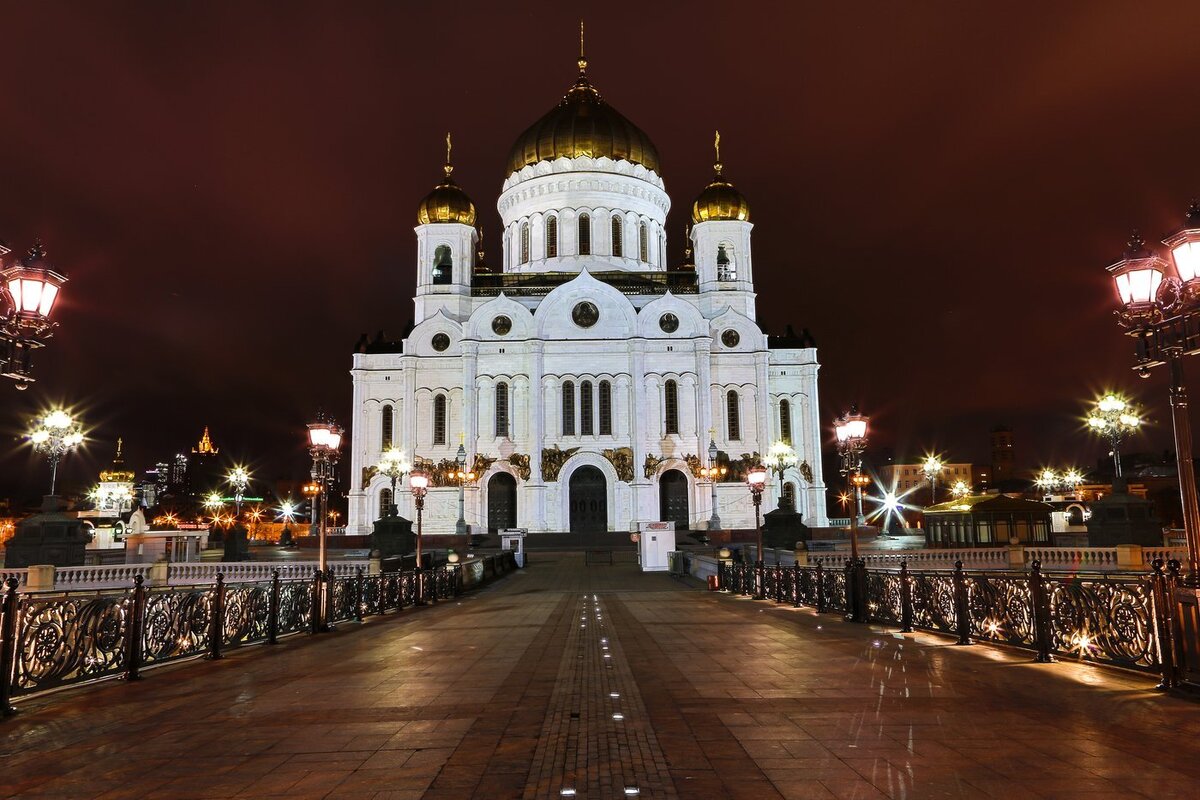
(216, 627)
(327, 622)
(273, 609)
(851, 595)
(820, 588)
(962, 606)
(778, 582)
(1160, 589)
(358, 594)
(314, 616)
(1042, 636)
(8, 647)
(137, 624)
(906, 606)
(795, 585)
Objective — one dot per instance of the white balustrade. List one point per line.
(66, 578)
(1149, 554)
(242, 571)
(20, 574)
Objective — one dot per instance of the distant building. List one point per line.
(204, 469)
(1003, 465)
(987, 521)
(905, 477)
(114, 495)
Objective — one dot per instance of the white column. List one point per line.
(470, 408)
(704, 410)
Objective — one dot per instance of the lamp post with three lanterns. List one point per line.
(756, 481)
(418, 484)
(713, 473)
(56, 434)
(851, 430)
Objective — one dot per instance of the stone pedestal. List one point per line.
(393, 536)
(1123, 518)
(49, 537)
(237, 546)
(783, 527)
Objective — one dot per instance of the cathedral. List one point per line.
(585, 378)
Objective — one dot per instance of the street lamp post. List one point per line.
(460, 527)
(1113, 417)
(238, 479)
(31, 287)
(418, 483)
(393, 465)
(851, 430)
(756, 480)
(1162, 314)
(713, 473)
(324, 441)
(56, 434)
(932, 468)
(780, 458)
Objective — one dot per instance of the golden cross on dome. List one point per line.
(449, 146)
(582, 58)
(717, 147)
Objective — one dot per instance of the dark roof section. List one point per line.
(790, 340)
(379, 344)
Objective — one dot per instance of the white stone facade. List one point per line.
(647, 381)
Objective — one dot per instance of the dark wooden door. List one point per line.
(589, 501)
(502, 502)
(673, 499)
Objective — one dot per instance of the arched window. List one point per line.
(385, 502)
(551, 237)
(605, 408)
(585, 409)
(439, 419)
(568, 408)
(785, 421)
(501, 410)
(726, 271)
(671, 407)
(617, 245)
(524, 242)
(385, 437)
(643, 243)
(585, 235)
(443, 264)
(733, 415)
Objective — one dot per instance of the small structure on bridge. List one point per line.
(53, 536)
(1123, 518)
(987, 521)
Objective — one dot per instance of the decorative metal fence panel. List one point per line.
(1105, 619)
(1001, 608)
(64, 639)
(295, 606)
(933, 601)
(883, 596)
(178, 623)
(247, 613)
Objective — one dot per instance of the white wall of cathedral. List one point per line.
(596, 190)
(539, 355)
(439, 288)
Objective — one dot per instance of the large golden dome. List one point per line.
(583, 124)
(446, 203)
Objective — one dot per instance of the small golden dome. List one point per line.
(447, 202)
(720, 200)
(583, 124)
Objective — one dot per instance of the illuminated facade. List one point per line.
(586, 375)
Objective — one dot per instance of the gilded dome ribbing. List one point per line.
(583, 124)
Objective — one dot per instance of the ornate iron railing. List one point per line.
(55, 639)
(1116, 619)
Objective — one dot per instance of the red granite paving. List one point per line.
(504, 695)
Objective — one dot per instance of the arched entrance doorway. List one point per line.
(589, 501)
(673, 498)
(502, 502)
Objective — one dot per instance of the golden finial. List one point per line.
(582, 57)
(717, 147)
(119, 443)
(449, 167)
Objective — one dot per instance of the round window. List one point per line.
(501, 325)
(440, 342)
(585, 314)
(730, 338)
(669, 323)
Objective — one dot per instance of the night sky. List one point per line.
(936, 189)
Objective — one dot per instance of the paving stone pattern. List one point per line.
(722, 697)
